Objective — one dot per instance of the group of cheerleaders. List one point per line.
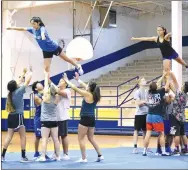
(52, 101)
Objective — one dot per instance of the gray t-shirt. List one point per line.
(49, 110)
(17, 100)
(168, 111)
(141, 94)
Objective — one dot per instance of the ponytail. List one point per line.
(12, 86)
(96, 94)
(37, 20)
(164, 29)
(9, 104)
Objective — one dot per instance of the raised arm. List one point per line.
(84, 85)
(28, 78)
(160, 80)
(17, 28)
(144, 39)
(19, 81)
(174, 80)
(167, 36)
(167, 85)
(46, 96)
(57, 90)
(83, 93)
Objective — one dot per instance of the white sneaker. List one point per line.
(53, 157)
(25, 160)
(99, 159)
(158, 154)
(65, 157)
(80, 70)
(2, 159)
(135, 151)
(82, 160)
(41, 159)
(58, 158)
(149, 150)
(165, 154)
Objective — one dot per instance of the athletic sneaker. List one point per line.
(24, 160)
(184, 152)
(135, 151)
(82, 160)
(65, 157)
(2, 159)
(47, 157)
(80, 70)
(58, 158)
(144, 154)
(41, 159)
(36, 155)
(175, 153)
(55, 158)
(99, 159)
(168, 150)
(149, 150)
(165, 154)
(158, 152)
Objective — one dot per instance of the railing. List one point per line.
(128, 91)
(113, 96)
(119, 128)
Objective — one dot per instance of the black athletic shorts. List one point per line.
(15, 121)
(88, 121)
(140, 122)
(57, 52)
(49, 124)
(177, 128)
(62, 128)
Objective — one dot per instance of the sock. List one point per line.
(166, 145)
(185, 147)
(177, 148)
(23, 153)
(99, 155)
(158, 146)
(186, 66)
(145, 150)
(4, 151)
(135, 145)
(163, 149)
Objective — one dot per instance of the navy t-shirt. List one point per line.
(156, 102)
(47, 44)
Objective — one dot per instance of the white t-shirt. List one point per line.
(141, 94)
(63, 107)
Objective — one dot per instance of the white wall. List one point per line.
(114, 39)
(165, 20)
(58, 21)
